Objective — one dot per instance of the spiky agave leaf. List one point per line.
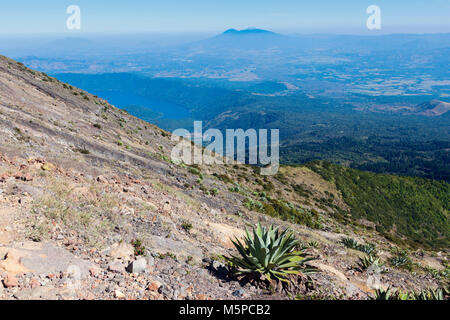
(270, 253)
(381, 294)
(349, 243)
(391, 294)
(430, 294)
(370, 260)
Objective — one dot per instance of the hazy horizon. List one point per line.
(201, 16)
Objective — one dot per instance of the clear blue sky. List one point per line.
(300, 16)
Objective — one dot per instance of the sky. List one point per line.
(176, 16)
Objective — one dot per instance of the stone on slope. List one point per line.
(116, 267)
(123, 251)
(137, 266)
(10, 281)
(42, 258)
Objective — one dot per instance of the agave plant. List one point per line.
(367, 248)
(353, 244)
(271, 254)
(430, 294)
(389, 294)
(370, 260)
(401, 260)
(350, 243)
(313, 244)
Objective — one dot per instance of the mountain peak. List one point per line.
(247, 31)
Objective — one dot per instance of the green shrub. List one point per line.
(417, 207)
(139, 249)
(187, 226)
(82, 150)
(195, 171)
(223, 177)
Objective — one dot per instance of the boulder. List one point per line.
(123, 251)
(10, 281)
(137, 266)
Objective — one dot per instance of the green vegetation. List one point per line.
(370, 261)
(270, 254)
(351, 243)
(401, 260)
(409, 207)
(370, 258)
(223, 177)
(187, 226)
(313, 244)
(284, 210)
(195, 170)
(82, 150)
(214, 192)
(391, 294)
(166, 255)
(139, 248)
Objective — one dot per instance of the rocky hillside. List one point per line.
(91, 207)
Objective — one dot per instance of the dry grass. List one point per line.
(86, 210)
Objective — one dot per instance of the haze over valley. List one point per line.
(377, 103)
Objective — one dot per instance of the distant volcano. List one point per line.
(247, 39)
(249, 31)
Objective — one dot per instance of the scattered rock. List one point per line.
(239, 293)
(101, 179)
(124, 251)
(12, 264)
(10, 281)
(217, 265)
(116, 267)
(150, 261)
(201, 297)
(154, 286)
(165, 290)
(119, 294)
(34, 283)
(137, 266)
(47, 167)
(167, 206)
